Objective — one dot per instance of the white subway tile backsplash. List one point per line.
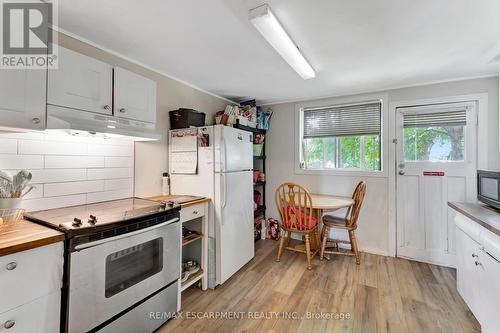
(109, 195)
(69, 170)
(54, 202)
(111, 150)
(119, 162)
(70, 162)
(118, 184)
(8, 146)
(51, 147)
(58, 189)
(41, 176)
(36, 192)
(10, 161)
(110, 173)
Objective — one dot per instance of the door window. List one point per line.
(132, 265)
(434, 136)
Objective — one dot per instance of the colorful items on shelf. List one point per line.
(256, 198)
(256, 175)
(246, 114)
(258, 144)
(262, 177)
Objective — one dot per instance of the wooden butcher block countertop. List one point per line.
(183, 200)
(25, 235)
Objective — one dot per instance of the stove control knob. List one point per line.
(92, 219)
(163, 204)
(170, 203)
(77, 222)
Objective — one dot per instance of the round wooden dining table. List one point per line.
(326, 202)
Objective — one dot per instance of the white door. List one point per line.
(233, 222)
(135, 96)
(81, 82)
(22, 98)
(233, 149)
(436, 163)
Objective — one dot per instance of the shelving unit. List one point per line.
(192, 280)
(191, 238)
(259, 164)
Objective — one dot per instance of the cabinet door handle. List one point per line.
(195, 212)
(475, 255)
(11, 266)
(107, 107)
(122, 110)
(35, 120)
(9, 324)
(477, 263)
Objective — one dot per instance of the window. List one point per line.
(438, 136)
(342, 137)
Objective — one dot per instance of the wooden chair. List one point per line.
(296, 212)
(349, 223)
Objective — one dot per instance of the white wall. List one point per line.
(151, 157)
(69, 170)
(373, 223)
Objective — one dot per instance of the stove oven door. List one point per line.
(111, 275)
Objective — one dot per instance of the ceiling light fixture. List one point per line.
(268, 25)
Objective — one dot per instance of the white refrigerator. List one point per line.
(224, 174)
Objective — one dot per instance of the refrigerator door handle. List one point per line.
(224, 162)
(224, 190)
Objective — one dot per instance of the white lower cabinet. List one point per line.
(467, 271)
(489, 293)
(30, 290)
(478, 272)
(39, 316)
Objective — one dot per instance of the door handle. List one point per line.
(401, 172)
(224, 190)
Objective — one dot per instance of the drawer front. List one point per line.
(192, 212)
(39, 316)
(28, 275)
(149, 315)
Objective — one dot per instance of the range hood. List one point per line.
(61, 118)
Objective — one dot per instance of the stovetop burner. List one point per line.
(99, 215)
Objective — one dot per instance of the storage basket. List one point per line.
(257, 149)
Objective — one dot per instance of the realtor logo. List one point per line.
(27, 35)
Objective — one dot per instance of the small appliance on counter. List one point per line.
(488, 187)
(186, 118)
(122, 260)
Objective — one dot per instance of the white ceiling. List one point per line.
(354, 45)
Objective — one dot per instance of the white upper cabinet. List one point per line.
(135, 96)
(22, 98)
(81, 82)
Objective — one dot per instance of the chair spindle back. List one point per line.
(294, 205)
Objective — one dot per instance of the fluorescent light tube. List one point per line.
(268, 25)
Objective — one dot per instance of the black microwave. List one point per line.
(488, 187)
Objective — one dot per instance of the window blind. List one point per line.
(343, 120)
(437, 119)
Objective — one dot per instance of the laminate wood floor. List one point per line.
(383, 294)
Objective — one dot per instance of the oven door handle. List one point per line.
(126, 235)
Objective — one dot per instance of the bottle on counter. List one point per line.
(165, 188)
